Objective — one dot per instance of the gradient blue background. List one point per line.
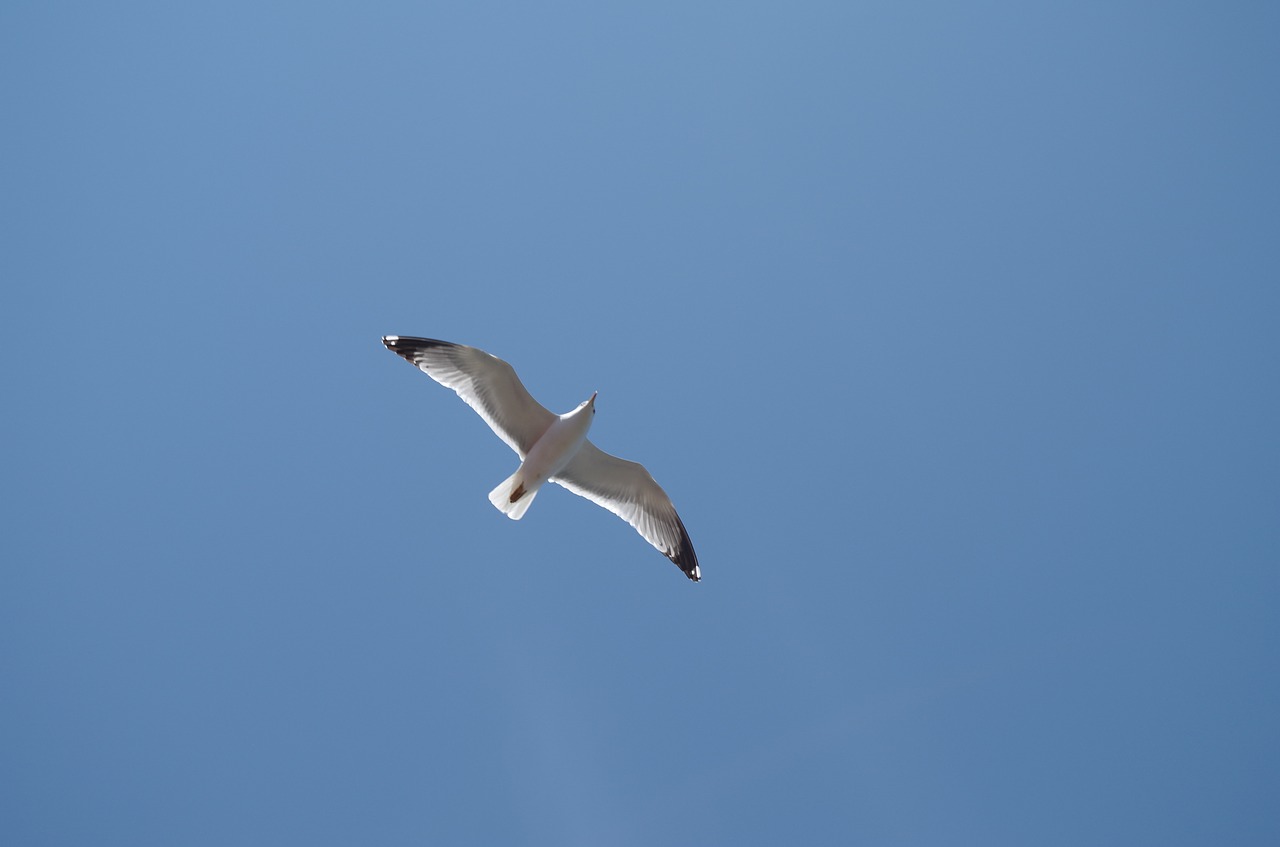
(951, 329)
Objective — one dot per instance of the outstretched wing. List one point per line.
(487, 384)
(626, 489)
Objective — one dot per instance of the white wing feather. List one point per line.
(627, 489)
(487, 384)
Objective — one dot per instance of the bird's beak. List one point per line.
(593, 396)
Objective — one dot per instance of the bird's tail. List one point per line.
(512, 498)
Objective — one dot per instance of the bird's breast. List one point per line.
(557, 447)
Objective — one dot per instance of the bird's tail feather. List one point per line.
(512, 498)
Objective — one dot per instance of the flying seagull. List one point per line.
(552, 448)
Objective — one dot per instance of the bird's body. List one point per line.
(552, 448)
(549, 455)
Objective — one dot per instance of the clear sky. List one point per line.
(952, 330)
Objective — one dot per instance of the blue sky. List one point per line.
(950, 329)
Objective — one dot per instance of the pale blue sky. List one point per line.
(952, 331)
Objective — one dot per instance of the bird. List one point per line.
(552, 448)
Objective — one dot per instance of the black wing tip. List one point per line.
(684, 557)
(690, 570)
(413, 342)
(408, 346)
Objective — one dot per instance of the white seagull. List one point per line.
(552, 448)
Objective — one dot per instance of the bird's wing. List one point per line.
(626, 489)
(487, 384)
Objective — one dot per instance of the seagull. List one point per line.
(552, 448)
